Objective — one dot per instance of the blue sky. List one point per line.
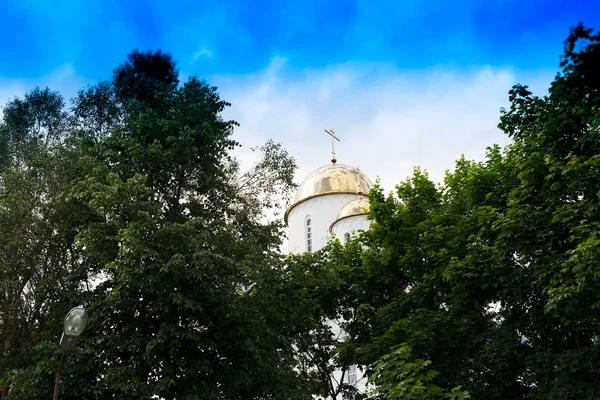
(242, 36)
(361, 66)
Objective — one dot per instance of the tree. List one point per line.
(40, 272)
(146, 78)
(309, 289)
(556, 143)
(399, 376)
(36, 120)
(489, 279)
(269, 184)
(135, 211)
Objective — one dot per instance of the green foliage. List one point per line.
(146, 77)
(491, 278)
(126, 203)
(27, 124)
(398, 376)
(131, 203)
(270, 183)
(310, 292)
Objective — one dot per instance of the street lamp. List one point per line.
(74, 324)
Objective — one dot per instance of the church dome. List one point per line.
(359, 206)
(331, 179)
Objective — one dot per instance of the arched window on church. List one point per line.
(346, 237)
(308, 235)
(352, 375)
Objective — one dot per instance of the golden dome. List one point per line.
(329, 179)
(359, 206)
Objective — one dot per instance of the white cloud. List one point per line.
(9, 90)
(203, 52)
(63, 79)
(389, 120)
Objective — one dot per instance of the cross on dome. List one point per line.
(331, 133)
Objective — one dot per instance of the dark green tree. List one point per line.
(146, 219)
(40, 270)
(490, 279)
(147, 78)
(36, 120)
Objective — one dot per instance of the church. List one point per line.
(330, 201)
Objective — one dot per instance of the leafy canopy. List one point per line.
(488, 282)
(131, 203)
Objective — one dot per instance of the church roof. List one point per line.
(358, 206)
(330, 179)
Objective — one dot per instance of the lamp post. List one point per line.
(74, 324)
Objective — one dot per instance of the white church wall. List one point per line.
(352, 376)
(322, 211)
(350, 225)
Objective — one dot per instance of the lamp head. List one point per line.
(75, 322)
